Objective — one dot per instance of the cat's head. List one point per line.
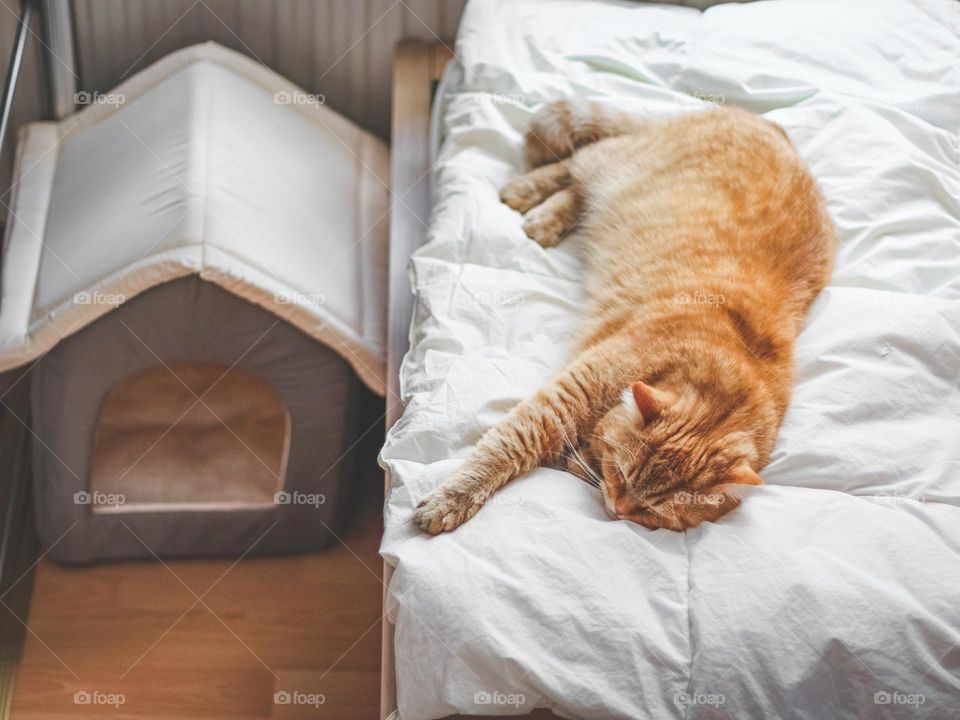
(672, 459)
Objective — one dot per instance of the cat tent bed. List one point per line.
(194, 266)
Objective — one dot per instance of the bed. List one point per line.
(832, 592)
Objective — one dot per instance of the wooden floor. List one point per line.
(308, 626)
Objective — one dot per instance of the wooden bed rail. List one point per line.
(417, 67)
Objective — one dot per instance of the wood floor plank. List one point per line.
(304, 624)
(338, 695)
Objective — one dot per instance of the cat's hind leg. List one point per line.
(548, 222)
(531, 189)
(560, 128)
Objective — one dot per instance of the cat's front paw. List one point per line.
(447, 508)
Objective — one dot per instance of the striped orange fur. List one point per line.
(708, 241)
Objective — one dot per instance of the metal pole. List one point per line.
(59, 39)
(12, 532)
(13, 71)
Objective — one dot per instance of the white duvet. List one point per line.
(834, 590)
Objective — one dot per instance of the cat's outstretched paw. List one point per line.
(446, 508)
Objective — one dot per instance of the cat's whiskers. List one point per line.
(622, 471)
(665, 511)
(628, 451)
(592, 477)
(656, 510)
(588, 475)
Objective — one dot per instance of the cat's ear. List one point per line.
(651, 401)
(743, 474)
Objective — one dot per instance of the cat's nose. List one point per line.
(623, 507)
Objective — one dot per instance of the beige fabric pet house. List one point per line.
(196, 264)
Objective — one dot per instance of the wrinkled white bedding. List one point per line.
(834, 590)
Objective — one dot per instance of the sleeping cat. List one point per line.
(708, 240)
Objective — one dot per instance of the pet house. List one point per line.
(195, 267)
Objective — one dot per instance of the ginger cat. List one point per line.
(708, 241)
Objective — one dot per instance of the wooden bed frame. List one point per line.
(417, 67)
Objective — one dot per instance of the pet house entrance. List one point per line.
(194, 436)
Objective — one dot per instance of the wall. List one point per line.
(340, 48)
